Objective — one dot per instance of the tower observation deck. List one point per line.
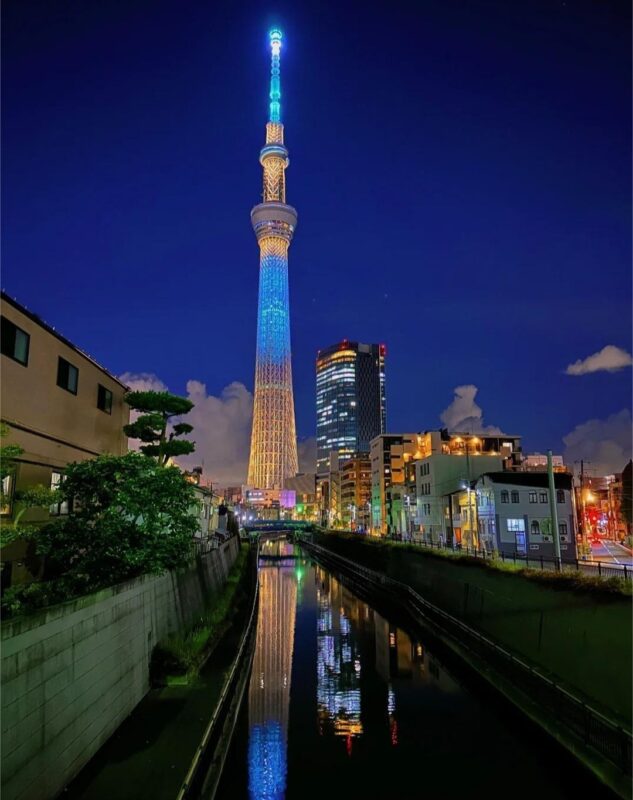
(273, 455)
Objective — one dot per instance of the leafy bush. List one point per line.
(130, 516)
(28, 597)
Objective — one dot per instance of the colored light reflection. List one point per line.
(267, 761)
(269, 689)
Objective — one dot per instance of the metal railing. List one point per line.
(203, 546)
(606, 737)
(602, 569)
(231, 691)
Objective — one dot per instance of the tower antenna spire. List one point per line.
(275, 36)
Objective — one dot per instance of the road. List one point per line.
(611, 552)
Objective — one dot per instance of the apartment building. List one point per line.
(60, 406)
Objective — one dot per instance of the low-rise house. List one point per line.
(445, 463)
(513, 513)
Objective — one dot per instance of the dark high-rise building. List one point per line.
(350, 399)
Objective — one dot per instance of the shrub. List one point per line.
(130, 516)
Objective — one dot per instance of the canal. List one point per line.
(344, 702)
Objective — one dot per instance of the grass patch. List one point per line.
(178, 659)
(571, 580)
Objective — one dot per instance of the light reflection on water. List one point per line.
(340, 618)
(269, 688)
(343, 703)
(338, 665)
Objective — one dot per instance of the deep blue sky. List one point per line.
(461, 172)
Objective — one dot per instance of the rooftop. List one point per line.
(562, 480)
(49, 329)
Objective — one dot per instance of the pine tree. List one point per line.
(156, 412)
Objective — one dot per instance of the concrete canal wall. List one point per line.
(73, 672)
(581, 639)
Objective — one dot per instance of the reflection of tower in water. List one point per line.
(269, 691)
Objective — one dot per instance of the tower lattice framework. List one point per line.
(273, 454)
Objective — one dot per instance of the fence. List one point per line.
(602, 569)
(611, 741)
(203, 546)
(206, 767)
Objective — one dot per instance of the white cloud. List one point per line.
(609, 359)
(221, 429)
(143, 382)
(605, 443)
(463, 414)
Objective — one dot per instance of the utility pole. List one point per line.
(552, 507)
(611, 522)
(583, 507)
(470, 512)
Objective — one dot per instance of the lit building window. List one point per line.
(58, 509)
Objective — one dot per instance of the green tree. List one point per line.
(38, 496)
(157, 409)
(8, 455)
(129, 516)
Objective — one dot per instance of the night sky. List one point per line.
(461, 172)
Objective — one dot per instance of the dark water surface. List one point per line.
(343, 703)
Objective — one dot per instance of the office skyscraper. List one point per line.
(273, 454)
(350, 398)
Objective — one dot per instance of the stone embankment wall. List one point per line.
(73, 672)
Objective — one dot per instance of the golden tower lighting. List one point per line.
(273, 455)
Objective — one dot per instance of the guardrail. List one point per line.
(232, 692)
(203, 546)
(602, 569)
(607, 738)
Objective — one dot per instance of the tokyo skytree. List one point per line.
(273, 440)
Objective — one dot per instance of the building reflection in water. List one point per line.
(269, 689)
(338, 663)
(344, 700)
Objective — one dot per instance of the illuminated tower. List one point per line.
(273, 439)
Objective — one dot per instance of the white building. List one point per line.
(448, 462)
(513, 513)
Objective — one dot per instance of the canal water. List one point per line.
(344, 703)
